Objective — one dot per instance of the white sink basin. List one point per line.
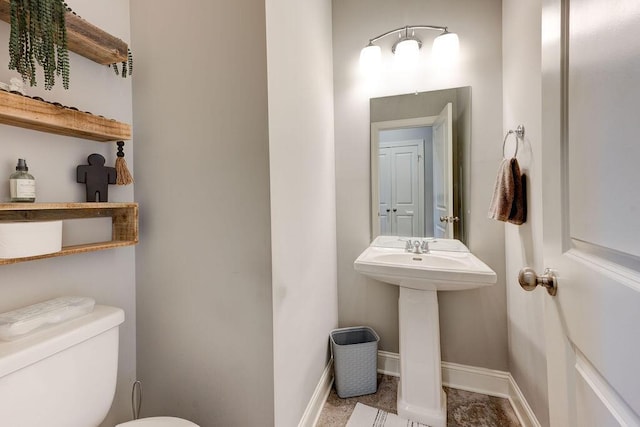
(449, 266)
(436, 270)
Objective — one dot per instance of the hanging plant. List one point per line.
(39, 34)
(127, 66)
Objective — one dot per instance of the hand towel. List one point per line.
(518, 213)
(508, 202)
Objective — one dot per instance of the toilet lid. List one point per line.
(158, 422)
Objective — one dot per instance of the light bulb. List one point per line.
(446, 47)
(407, 53)
(370, 58)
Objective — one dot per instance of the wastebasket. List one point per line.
(355, 360)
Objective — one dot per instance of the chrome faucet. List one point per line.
(408, 247)
(417, 247)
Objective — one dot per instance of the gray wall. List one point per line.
(523, 105)
(303, 194)
(108, 276)
(473, 323)
(204, 294)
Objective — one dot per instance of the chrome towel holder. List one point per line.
(519, 133)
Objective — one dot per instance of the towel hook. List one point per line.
(519, 133)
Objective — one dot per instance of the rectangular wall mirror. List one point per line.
(420, 146)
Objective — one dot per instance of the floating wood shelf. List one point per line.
(124, 223)
(22, 111)
(84, 38)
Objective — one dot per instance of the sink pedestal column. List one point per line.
(420, 394)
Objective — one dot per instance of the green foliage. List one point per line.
(127, 66)
(39, 34)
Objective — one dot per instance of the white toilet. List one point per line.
(65, 375)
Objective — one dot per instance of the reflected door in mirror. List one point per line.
(442, 173)
(415, 179)
(401, 186)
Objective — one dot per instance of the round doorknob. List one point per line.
(529, 280)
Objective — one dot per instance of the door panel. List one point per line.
(405, 191)
(401, 188)
(591, 88)
(405, 184)
(405, 226)
(599, 403)
(442, 172)
(600, 304)
(384, 189)
(603, 85)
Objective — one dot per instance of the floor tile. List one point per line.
(464, 409)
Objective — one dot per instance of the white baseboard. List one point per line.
(314, 408)
(521, 406)
(389, 363)
(470, 378)
(477, 380)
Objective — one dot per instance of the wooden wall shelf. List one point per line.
(22, 111)
(84, 38)
(124, 223)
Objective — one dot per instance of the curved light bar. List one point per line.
(445, 46)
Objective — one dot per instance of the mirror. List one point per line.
(420, 145)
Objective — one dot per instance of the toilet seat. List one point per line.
(158, 422)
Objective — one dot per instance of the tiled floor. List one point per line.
(464, 409)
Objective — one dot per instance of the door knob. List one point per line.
(388, 210)
(395, 210)
(528, 279)
(449, 219)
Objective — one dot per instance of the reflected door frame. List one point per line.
(376, 127)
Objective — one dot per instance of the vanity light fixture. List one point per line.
(407, 47)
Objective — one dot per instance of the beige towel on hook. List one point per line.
(509, 194)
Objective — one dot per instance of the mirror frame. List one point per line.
(462, 129)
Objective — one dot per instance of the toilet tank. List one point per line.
(62, 376)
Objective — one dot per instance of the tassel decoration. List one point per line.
(122, 171)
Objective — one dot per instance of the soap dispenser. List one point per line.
(22, 184)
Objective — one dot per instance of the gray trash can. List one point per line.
(355, 360)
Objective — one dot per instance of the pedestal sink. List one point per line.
(448, 266)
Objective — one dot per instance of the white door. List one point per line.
(401, 186)
(591, 203)
(443, 173)
(384, 189)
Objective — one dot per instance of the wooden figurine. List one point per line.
(97, 177)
